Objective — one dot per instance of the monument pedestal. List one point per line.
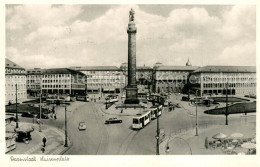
(131, 95)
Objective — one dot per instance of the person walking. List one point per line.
(44, 140)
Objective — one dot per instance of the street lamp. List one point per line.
(196, 114)
(167, 149)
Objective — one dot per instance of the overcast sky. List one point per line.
(83, 35)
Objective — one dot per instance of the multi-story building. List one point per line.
(143, 73)
(235, 80)
(34, 81)
(105, 79)
(15, 75)
(170, 79)
(63, 81)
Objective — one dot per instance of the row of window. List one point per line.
(104, 84)
(11, 70)
(101, 72)
(12, 86)
(220, 85)
(55, 86)
(12, 96)
(15, 78)
(56, 81)
(236, 79)
(56, 75)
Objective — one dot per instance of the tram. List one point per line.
(141, 121)
(112, 98)
(146, 117)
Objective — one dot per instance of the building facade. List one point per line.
(103, 79)
(219, 80)
(34, 81)
(143, 74)
(63, 81)
(14, 75)
(171, 79)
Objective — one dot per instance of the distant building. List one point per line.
(105, 79)
(63, 81)
(143, 73)
(34, 81)
(14, 75)
(169, 79)
(236, 80)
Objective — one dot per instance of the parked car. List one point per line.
(43, 116)
(82, 126)
(27, 114)
(113, 120)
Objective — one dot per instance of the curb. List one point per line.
(60, 150)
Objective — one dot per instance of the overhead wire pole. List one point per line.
(196, 114)
(17, 126)
(157, 136)
(226, 104)
(40, 126)
(66, 133)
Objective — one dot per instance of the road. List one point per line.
(120, 139)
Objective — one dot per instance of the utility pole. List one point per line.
(196, 114)
(226, 104)
(66, 133)
(40, 126)
(157, 136)
(17, 126)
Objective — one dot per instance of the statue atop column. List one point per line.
(131, 15)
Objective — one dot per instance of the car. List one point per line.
(178, 105)
(27, 114)
(43, 116)
(113, 120)
(82, 126)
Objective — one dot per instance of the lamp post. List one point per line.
(17, 126)
(66, 133)
(106, 103)
(157, 136)
(167, 150)
(196, 114)
(226, 114)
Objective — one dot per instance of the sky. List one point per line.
(50, 36)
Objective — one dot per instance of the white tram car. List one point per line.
(145, 118)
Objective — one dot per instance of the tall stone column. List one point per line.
(131, 90)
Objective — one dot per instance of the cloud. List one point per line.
(61, 35)
(239, 54)
(239, 23)
(40, 15)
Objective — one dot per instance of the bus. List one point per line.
(141, 121)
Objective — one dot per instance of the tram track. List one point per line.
(104, 140)
(124, 146)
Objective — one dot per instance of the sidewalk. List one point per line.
(184, 143)
(54, 145)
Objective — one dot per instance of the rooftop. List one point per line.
(10, 64)
(96, 68)
(61, 71)
(177, 68)
(245, 69)
(35, 71)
